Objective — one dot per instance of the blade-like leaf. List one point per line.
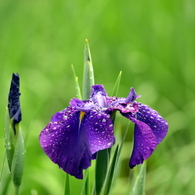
(111, 172)
(87, 183)
(4, 177)
(9, 139)
(139, 175)
(114, 163)
(67, 185)
(101, 169)
(85, 187)
(117, 83)
(114, 93)
(78, 90)
(88, 74)
(123, 140)
(18, 159)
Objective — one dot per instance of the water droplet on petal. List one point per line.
(104, 120)
(110, 127)
(65, 117)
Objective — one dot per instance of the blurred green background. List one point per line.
(152, 42)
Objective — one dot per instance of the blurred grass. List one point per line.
(152, 42)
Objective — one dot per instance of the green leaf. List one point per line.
(101, 169)
(85, 187)
(88, 74)
(114, 93)
(18, 159)
(139, 175)
(87, 182)
(9, 139)
(78, 90)
(111, 172)
(117, 83)
(67, 185)
(123, 140)
(114, 163)
(4, 177)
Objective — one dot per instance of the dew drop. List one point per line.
(8, 146)
(65, 117)
(104, 120)
(110, 127)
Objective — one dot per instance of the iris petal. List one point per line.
(71, 141)
(132, 96)
(150, 130)
(66, 144)
(98, 95)
(158, 125)
(144, 143)
(99, 129)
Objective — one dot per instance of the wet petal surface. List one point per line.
(65, 144)
(72, 137)
(158, 125)
(144, 143)
(99, 130)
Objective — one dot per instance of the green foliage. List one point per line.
(101, 170)
(116, 86)
(9, 140)
(14, 144)
(88, 75)
(111, 172)
(67, 190)
(138, 183)
(78, 90)
(18, 161)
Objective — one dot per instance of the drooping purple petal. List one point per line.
(66, 144)
(151, 117)
(150, 130)
(144, 143)
(99, 129)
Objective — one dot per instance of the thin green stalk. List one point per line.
(17, 190)
(78, 90)
(101, 170)
(116, 85)
(111, 172)
(4, 177)
(139, 176)
(67, 185)
(87, 183)
(85, 187)
(88, 74)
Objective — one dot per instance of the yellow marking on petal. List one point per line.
(82, 114)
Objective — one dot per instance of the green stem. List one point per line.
(87, 183)
(17, 190)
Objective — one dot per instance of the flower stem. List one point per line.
(17, 190)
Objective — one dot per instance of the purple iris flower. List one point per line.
(76, 134)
